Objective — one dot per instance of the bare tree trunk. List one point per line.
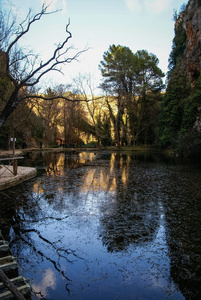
(9, 107)
(117, 133)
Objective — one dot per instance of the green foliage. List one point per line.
(171, 116)
(90, 145)
(182, 100)
(136, 80)
(4, 137)
(149, 75)
(178, 114)
(37, 127)
(86, 127)
(179, 45)
(189, 144)
(105, 131)
(117, 68)
(191, 110)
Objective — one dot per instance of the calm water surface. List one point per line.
(106, 226)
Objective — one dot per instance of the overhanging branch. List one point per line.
(60, 98)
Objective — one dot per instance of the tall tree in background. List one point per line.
(117, 68)
(136, 82)
(84, 87)
(148, 89)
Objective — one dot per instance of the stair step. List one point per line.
(9, 265)
(4, 248)
(22, 285)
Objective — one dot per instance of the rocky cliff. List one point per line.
(190, 19)
(191, 23)
(180, 119)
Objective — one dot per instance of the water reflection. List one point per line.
(48, 281)
(107, 225)
(183, 214)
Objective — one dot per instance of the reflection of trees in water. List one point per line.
(133, 214)
(129, 210)
(24, 221)
(183, 215)
(28, 209)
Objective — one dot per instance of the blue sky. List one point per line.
(137, 24)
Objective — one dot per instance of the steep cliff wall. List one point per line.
(180, 119)
(191, 23)
(190, 19)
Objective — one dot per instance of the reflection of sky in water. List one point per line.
(96, 229)
(45, 281)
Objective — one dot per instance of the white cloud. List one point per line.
(153, 6)
(134, 5)
(64, 3)
(157, 6)
(48, 281)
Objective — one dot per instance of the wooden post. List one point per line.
(11, 286)
(14, 160)
(13, 145)
(15, 167)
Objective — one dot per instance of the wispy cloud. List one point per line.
(134, 5)
(153, 6)
(157, 6)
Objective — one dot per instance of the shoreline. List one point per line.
(7, 179)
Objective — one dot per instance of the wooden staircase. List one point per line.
(12, 286)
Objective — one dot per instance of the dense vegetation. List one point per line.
(182, 101)
(127, 113)
(134, 108)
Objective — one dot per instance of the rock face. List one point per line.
(191, 22)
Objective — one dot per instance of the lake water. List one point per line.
(106, 226)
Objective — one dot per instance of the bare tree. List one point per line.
(23, 70)
(84, 86)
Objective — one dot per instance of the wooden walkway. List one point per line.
(7, 179)
(12, 286)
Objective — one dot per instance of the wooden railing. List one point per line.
(13, 162)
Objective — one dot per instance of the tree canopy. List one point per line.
(135, 80)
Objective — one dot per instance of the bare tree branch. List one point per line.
(61, 97)
(30, 20)
(24, 70)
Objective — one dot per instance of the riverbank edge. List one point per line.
(89, 149)
(8, 180)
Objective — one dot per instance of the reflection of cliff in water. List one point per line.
(183, 215)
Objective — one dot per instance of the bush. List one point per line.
(189, 145)
(91, 145)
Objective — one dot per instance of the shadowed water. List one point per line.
(106, 226)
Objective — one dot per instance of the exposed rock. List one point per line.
(191, 19)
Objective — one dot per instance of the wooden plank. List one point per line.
(22, 285)
(11, 158)
(7, 259)
(24, 289)
(4, 249)
(16, 280)
(16, 287)
(13, 265)
(11, 286)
